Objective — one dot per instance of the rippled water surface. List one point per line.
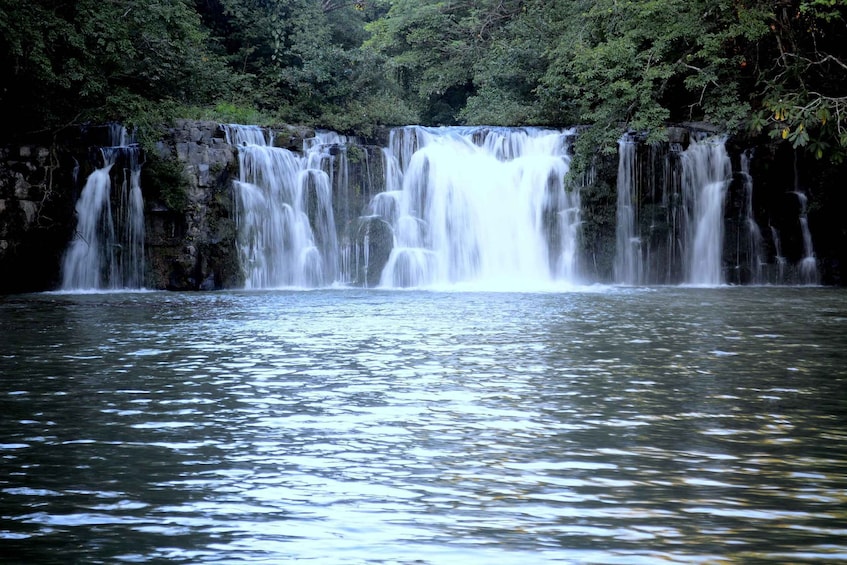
(345, 426)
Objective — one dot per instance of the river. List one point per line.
(598, 425)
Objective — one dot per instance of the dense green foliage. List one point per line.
(776, 65)
(770, 67)
(67, 62)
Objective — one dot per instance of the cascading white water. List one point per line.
(477, 208)
(133, 226)
(107, 250)
(479, 205)
(755, 262)
(808, 264)
(286, 225)
(706, 173)
(628, 261)
(780, 258)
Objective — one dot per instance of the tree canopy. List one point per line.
(757, 65)
(766, 67)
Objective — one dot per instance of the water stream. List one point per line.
(286, 223)
(706, 171)
(752, 235)
(808, 264)
(481, 206)
(628, 267)
(107, 250)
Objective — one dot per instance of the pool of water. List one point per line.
(603, 425)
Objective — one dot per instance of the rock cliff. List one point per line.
(191, 240)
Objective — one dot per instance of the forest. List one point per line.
(774, 68)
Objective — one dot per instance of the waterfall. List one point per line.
(808, 264)
(706, 172)
(284, 210)
(479, 205)
(628, 261)
(780, 258)
(755, 261)
(370, 237)
(107, 250)
(662, 245)
(486, 208)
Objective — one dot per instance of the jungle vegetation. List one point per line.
(764, 67)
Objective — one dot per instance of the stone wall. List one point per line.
(36, 201)
(778, 174)
(187, 184)
(193, 248)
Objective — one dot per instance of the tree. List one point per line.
(638, 65)
(507, 77)
(93, 60)
(434, 47)
(302, 61)
(801, 67)
(333, 5)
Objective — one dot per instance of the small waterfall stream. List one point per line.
(755, 260)
(808, 264)
(778, 256)
(676, 196)
(479, 206)
(284, 210)
(107, 250)
(707, 171)
(628, 261)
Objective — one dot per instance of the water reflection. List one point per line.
(607, 426)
